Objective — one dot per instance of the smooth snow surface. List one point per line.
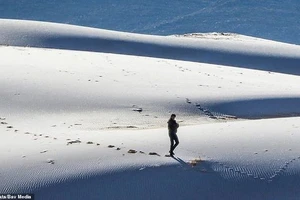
(74, 101)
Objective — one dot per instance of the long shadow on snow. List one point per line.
(259, 108)
(281, 64)
(170, 182)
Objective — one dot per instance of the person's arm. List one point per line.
(169, 126)
(172, 125)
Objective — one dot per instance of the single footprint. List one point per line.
(153, 154)
(131, 151)
(74, 141)
(50, 161)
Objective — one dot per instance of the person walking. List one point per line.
(173, 126)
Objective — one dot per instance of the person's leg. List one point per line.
(172, 145)
(176, 141)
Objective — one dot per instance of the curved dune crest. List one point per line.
(262, 55)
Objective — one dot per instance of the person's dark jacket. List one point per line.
(172, 126)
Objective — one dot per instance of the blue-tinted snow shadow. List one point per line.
(259, 108)
(170, 182)
(164, 182)
(281, 64)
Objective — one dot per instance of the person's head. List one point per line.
(173, 116)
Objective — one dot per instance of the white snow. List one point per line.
(67, 93)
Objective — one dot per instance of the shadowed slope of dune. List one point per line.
(259, 108)
(170, 182)
(166, 183)
(270, 56)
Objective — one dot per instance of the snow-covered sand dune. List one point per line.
(89, 124)
(240, 160)
(238, 52)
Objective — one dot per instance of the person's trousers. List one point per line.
(173, 138)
